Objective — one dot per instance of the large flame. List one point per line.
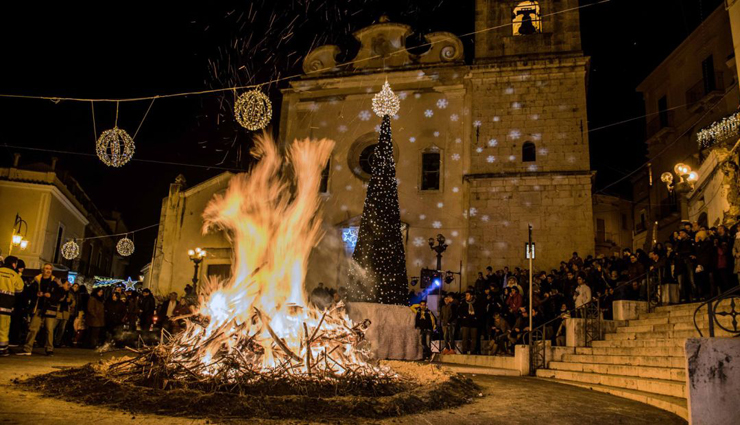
(261, 314)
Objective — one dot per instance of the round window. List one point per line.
(367, 156)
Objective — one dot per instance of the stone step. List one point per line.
(632, 359)
(701, 320)
(676, 405)
(664, 373)
(639, 343)
(672, 351)
(675, 307)
(678, 335)
(496, 362)
(649, 385)
(479, 370)
(664, 327)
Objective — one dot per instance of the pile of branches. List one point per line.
(236, 365)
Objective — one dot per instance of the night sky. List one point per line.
(130, 49)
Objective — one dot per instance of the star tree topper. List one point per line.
(386, 102)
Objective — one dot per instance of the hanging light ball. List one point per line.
(115, 147)
(386, 102)
(253, 110)
(70, 250)
(125, 247)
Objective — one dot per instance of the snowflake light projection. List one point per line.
(458, 140)
(485, 218)
(412, 139)
(478, 149)
(442, 103)
(473, 212)
(422, 217)
(428, 113)
(454, 117)
(492, 143)
(455, 156)
(364, 115)
(490, 159)
(436, 134)
(342, 128)
(437, 224)
(419, 241)
(455, 189)
(440, 205)
(477, 123)
(515, 134)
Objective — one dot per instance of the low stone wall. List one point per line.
(713, 372)
(575, 331)
(629, 310)
(391, 335)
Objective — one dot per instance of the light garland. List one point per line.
(719, 130)
(70, 250)
(385, 102)
(115, 147)
(253, 110)
(125, 247)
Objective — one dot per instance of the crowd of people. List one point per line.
(492, 316)
(51, 312)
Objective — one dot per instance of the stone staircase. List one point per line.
(644, 360)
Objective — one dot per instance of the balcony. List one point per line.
(660, 126)
(704, 92)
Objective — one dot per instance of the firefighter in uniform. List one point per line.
(11, 284)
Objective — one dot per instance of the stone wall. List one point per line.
(557, 205)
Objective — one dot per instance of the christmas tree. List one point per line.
(380, 275)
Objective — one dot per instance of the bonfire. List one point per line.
(257, 331)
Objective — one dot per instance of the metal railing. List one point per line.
(704, 87)
(592, 313)
(712, 313)
(539, 336)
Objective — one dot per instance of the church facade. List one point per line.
(483, 150)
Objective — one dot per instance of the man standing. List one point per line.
(11, 285)
(45, 310)
(66, 309)
(447, 318)
(469, 313)
(426, 323)
(147, 306)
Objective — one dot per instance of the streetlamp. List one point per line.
(685, 185)
(196, 256)
(19, 234)
(439, 249)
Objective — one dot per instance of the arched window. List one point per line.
(526, 18)
(529, 152)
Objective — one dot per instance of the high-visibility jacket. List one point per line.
(11, 284)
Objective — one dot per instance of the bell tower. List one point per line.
(528, 151)
(526, 27)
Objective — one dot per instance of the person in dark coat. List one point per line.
(706, 261)
(470, 313)
(448, 319)
(147, 307)
(426, 323)
(132, 309)
(115, 312)
(95, 318)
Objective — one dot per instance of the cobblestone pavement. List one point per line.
(504, 400)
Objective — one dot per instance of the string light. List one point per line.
(719, 130)
(125, 246)
(253, 110)
(115, 147)
(70, 250)
(385, 102)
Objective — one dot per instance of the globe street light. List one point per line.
(196, 256)
(685, 185)
(439, 249)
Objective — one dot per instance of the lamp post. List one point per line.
(439, 249)
(685, 185)
(196, 256)
(19, 234)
